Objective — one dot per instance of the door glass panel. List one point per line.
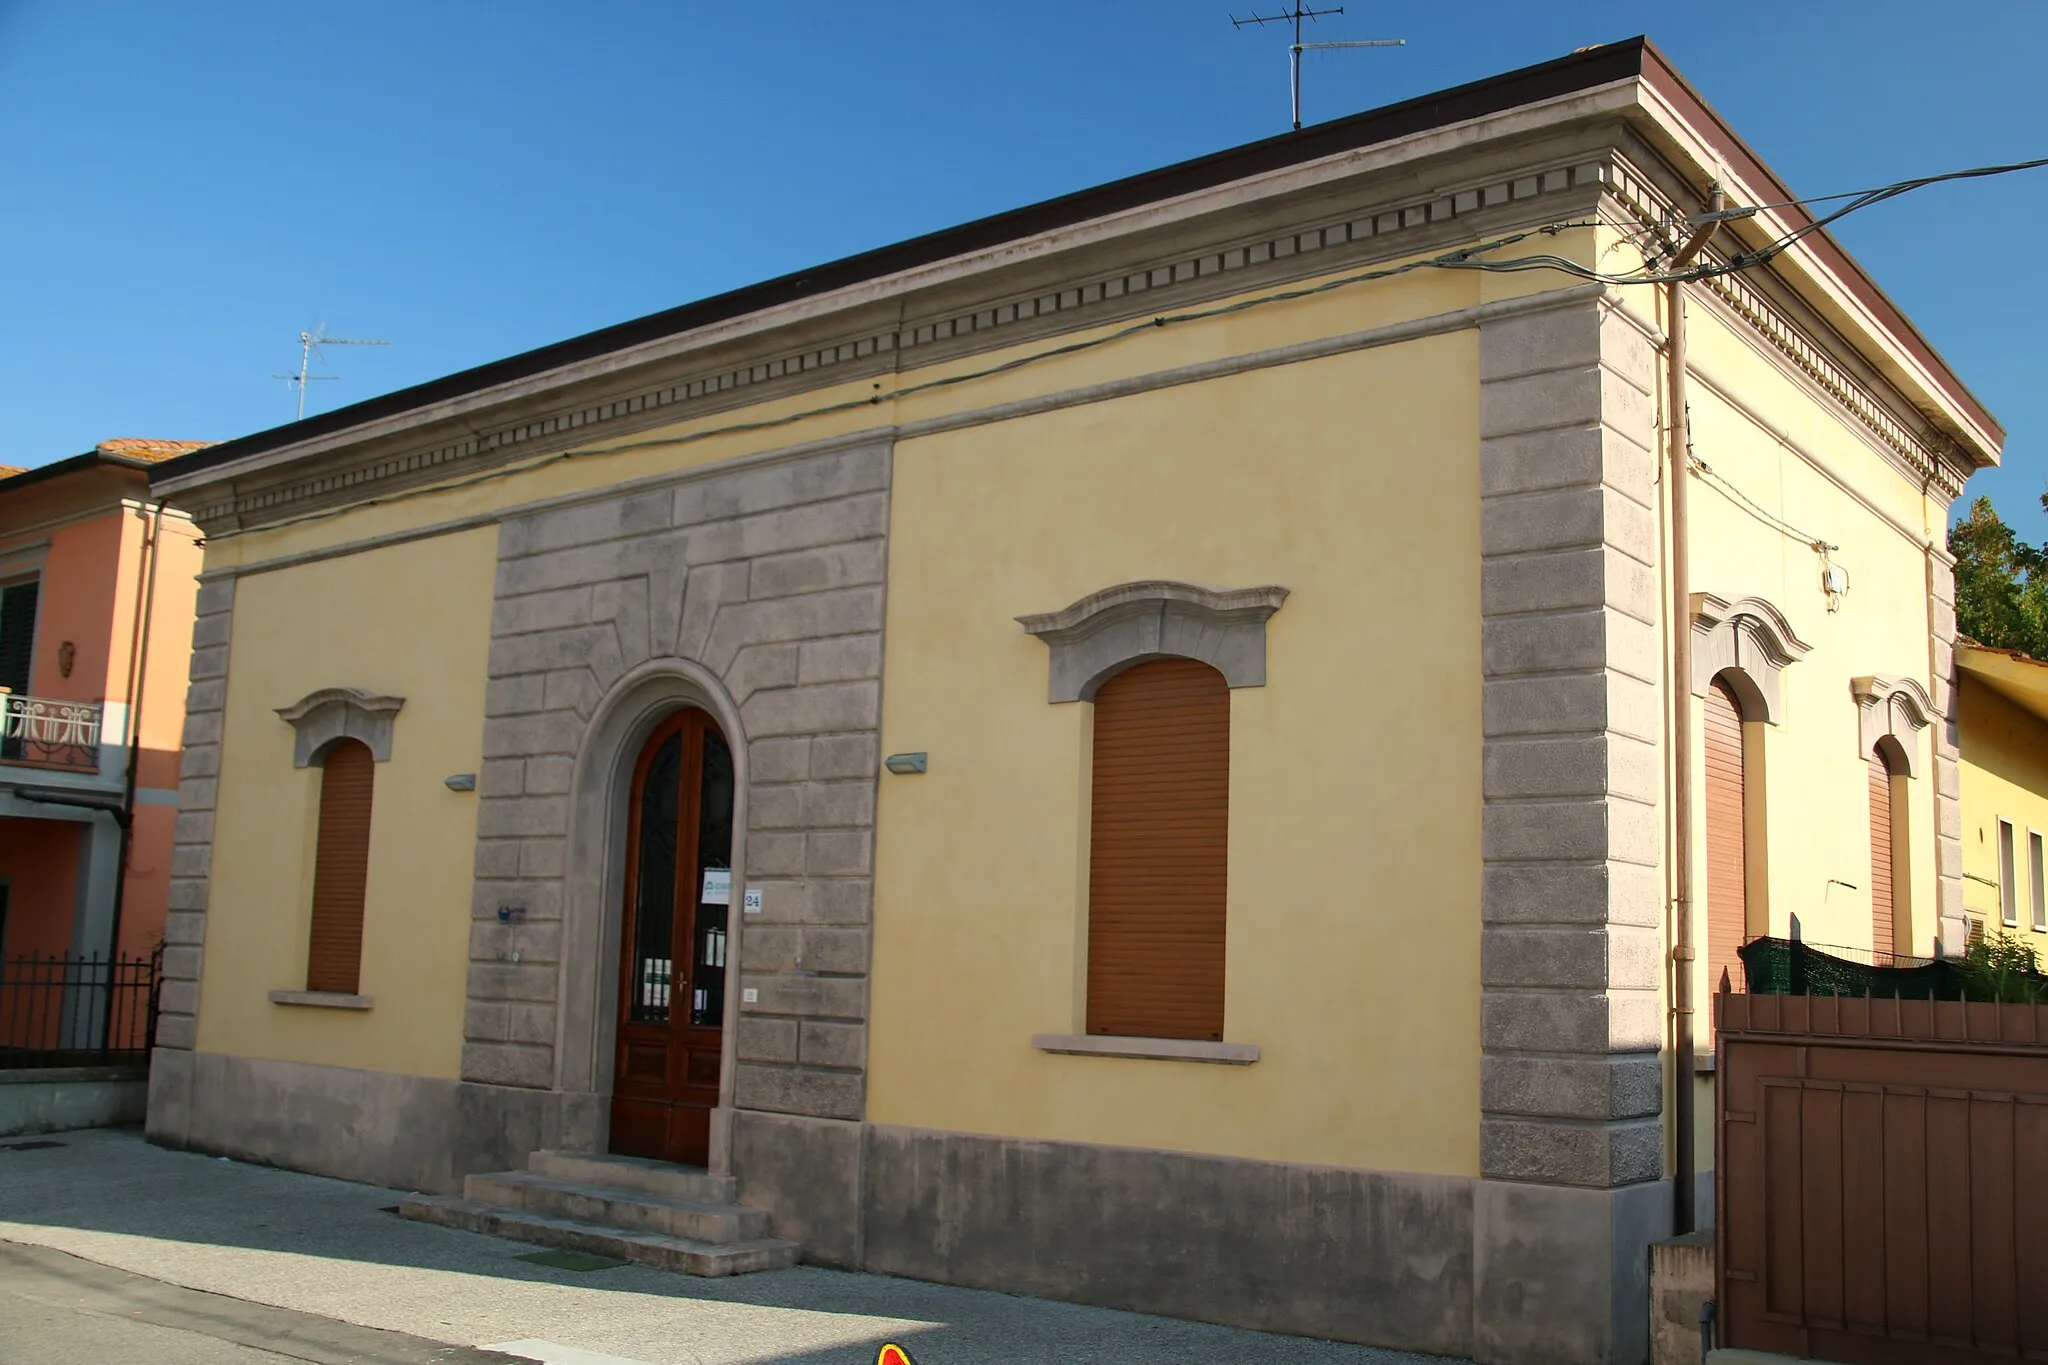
(655, 884)
(713, 882)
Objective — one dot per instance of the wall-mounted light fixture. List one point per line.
(460, 782)
(904, 764)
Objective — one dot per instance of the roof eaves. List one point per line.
(73, 464)
(1664, 78)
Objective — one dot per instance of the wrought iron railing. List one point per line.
(50, 734)
(78, 1011)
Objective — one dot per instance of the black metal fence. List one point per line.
(95, 1010)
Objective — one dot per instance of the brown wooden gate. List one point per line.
(1881, 1178)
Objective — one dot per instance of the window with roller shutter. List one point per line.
(1727, 846)
(1883, 858)
(341, 869)
(1158, 852)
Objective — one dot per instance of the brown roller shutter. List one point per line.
(1727, 855)
(1158, 855)
(1882, 909)
(341, 869)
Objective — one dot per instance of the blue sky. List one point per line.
(189, 185)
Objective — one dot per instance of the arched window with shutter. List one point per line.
(1727, 844)
(341, 868)
(1885, 880)
(1158, 856)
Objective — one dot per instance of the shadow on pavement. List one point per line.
(202, 1216)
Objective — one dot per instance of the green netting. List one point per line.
(1784, 966)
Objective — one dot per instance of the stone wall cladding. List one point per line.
(1380, 1257)
(192, 838)
(1571, 958)
(771, 576)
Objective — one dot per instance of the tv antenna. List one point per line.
(309, 347)
(1295, 15)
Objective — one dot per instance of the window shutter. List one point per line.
(2008, 876)
(1883, 910)
(1727, 852)
(341, 869)
(1158, 852)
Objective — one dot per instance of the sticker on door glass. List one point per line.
(717, 886)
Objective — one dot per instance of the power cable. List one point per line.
(1817, 544)
(1897, 186)
(1462, 258)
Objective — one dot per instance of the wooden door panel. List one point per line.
(647, 1063)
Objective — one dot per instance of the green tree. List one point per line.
(2001, 583)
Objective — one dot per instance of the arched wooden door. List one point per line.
(673, 945)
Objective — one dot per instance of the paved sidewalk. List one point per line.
(56, 1309)
(325, 1247)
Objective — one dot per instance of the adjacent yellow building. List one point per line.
(2001, 724)
(1130, 750)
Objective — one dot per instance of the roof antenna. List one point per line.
(1299, 12)
(309, 345)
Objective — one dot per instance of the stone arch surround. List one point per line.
(593, 892)
(756, 592)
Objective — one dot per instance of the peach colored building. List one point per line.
(96, 603)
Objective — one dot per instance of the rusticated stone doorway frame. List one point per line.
(593, 890)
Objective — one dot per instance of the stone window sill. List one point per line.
(1150, 1049)
(1703, 1063)
(325, 1000)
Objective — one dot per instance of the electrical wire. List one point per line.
(1898, 186)
(1463, 258)
(1756, 256)
(1706, 471)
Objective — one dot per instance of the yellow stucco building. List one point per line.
(1127, 750)
(2001, 727)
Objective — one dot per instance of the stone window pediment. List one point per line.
(1106, 632)
(1749, 642)
(1891, 713)
(320, 718)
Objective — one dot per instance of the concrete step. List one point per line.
(635, 1173)
(609, 1206)
(682, 1254)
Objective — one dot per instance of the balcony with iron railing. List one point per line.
(41, 732)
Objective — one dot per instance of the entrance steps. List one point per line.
(673, 1217)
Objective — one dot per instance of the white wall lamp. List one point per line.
(904, 764)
